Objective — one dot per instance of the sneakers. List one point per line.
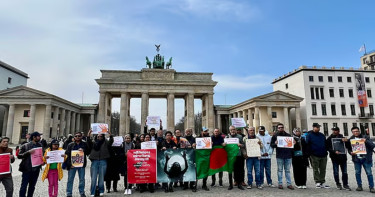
(338, 186)
(346, 187)
(271, 185)
(372, 190)
(304, 187)
(240, 187)
(259, 187)
(101, 194)
(249, 187)
(213, 184)
(359, 188)
(205, 188)
(290, 187)
(281, 187)
(324, 186)
(299, 187)
(318, 185)
(230, 187)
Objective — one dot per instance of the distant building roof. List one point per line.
(11, 68)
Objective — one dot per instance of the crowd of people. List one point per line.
(310, 148)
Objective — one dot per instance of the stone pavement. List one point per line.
(42, 187)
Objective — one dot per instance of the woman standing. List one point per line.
(114, 164)
(128, 145)
(149, 186)
(299, 160)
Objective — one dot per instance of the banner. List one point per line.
(141, 166)
(5, 163)
(99, 128)
(148, 145)
(78, 158)
(238, 122)
(203, 143)
(217, 159)
(358, 146)
(37, 157)
(252, 148)
(285, 142)
(231, 140)
(117, 141)
(153, 122)
(338, 145)
(361, 89)
(176, 165)
(55, 156)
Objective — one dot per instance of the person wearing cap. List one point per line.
(338, 160)
(239, 164)
(362, 160)
(6, 178)
(316, 145)
(283, 158)
(265, 158)
(53, 171)
(30, 174)
(253, 162)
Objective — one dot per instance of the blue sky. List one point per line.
(62, 45)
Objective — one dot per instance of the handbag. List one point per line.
(297, 153)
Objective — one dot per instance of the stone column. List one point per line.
(210, 108)
(124, 114)
(269, 117)
(170, 112)
(244, 115)
(298, 117)
(250, 114)
(10, 122)
(68, 120)
(55, 121)
(238, 114)
(286, 119)
(32, 118)
(219, 125)
(101, 110)
(144, 109)
(62, 123)
(73, 125)
(256, 117)
(47, 122)
(78, 121)
(4, 131)
(189, 112)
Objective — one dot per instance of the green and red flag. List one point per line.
(217, 159)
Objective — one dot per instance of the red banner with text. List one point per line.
(141, 166)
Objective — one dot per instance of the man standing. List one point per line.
(84, 147)
(316, 145)
(191, 140)
(265, 159)
(217, 140)
(283, 157)
(29, 174)
(238, 169)
(338, 159)
(204, 133)
(253, 162)
(360, 160)
(6, 179)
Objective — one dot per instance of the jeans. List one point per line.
(284, 164)
(97, 171)
(343, 166)
(81, 175)
(29, 178)
(367, 166)
(253, 163)
(319, 165)
(53, 182)
(8, 185)
(265, 165)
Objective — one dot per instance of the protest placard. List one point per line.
(99, 128)
(5, 163)
(37, 157)
(252, 148)
(153, 122)
(231, 140)
(184, 143)
(148, 145)
(78, 158)
(358, 146)
(141, 166)
(238, 122)
(55, 156)
(285, 142)
(117, 141)
(338, 145)
(203, 143)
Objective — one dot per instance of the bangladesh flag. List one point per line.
(217, 159)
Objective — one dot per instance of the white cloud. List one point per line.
(236, 83)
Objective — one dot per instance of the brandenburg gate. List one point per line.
(156, 81)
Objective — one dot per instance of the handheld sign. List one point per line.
(153, 122)
(238, 122)
(203, 143)
(184, 143)
(252, 148)
(5, 163)
(338, 145)
(77, 158)
(285, 142)
(231, 140)
(99, 128)
(358, 146)
(117, 141)
(148, 145)
(55, 156)
(37, 157)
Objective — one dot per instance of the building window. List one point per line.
(331, 92)
(373, 129)
(330, 79)
(324, 109)
(369, 94)
(311, 78)
(339, 79)
(371, 108)
(350, 91)
(51, 115)
(343, 110)
(312, 93)
(252, 115)
(341, 93)
(325, 129)
(321, 93)
(58, 117)
(352, 110)
(313, 107)
(334, 124)
(317, 93)
(345, 129)
(333, 109)
(362, 109)
(354, 124)
(26, 113)
(9, 80)
(349, 79)
(274, 114)
(286, 86)
(367, 79)
(320, 78)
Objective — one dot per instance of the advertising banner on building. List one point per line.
(141, 166)
(361, 89)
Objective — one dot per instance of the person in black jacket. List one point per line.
(168, 143)
(338, 159)
(114, 165)
(191, 140)
(217, 140)
(299, 160)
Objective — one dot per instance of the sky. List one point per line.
(63, 45)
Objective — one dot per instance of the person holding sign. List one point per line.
(300, 159)
(84, 148)
(239, 172)
(53, 171)
(316, 145)
(168, 143)
(6, 177)
(253, 162)
(217, 140)
(283, 157)
(147, 186)
(360, 161)
(128, 145)
(336, 147)
(30, 174)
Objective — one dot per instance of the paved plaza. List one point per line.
(42, 187)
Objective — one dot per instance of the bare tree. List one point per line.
(115, 124)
